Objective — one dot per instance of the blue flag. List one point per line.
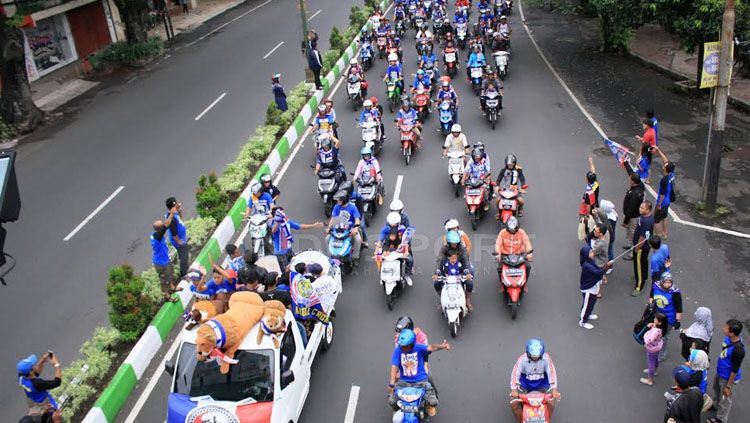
(620, 152)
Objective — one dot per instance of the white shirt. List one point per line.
(455, 144)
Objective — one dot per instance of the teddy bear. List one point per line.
(222, 335)
(204, 311)
(273, 322)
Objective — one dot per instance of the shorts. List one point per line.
(661, 214)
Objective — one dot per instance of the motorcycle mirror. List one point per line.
(495, 254)
(351, 173)
(312, 167)
(525, 187)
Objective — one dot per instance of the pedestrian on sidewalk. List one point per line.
(609, 209)
(661, 260)
(177, 233)
(728, 371)
(649, 135)
(654, 124)
(281, 232)
(699, 334)
(665, 196)
(279, 96)
(315, 63)
(591, 282)
(643, 230)
(160, 256)
(591, 194)
(41, 404)
(630, 205)
(184, 5)
(653, 342)
(598, 240)
(668, 300)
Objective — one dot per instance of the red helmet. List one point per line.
(374, 100)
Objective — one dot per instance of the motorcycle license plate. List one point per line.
(337, 243)
(474, 191)
(353, 88)
(450, 57)
(502, 60)
(507, 204)
(513, 271)
(476, 72)
(366, 191)
(491, 103)
(257, 232)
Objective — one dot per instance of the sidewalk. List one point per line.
(206, 10)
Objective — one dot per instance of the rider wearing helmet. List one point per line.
(328, 156)
(259, 201)
(476, 59)
(394, 71)
(398, 207)
(452, 225)
(421, 78)
(323, 121)
(356, 69)
(511, 177)
(534, 371)
(370, 112)
(503, 27)
(379, 109)
(429, 60)
(365, 36)
(448, 93)
(368, 163)
(269, 187)
(491, 81)
(405, 322)
(408, 116)
(345, 209)
(478, 168)
(455, 141)
(453, 242)
(408, 369)
(394, 237)
(514, 240)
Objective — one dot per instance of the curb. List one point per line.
(114, 396)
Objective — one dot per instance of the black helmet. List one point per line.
(341, 195)
(404, 322)
(510, 160)
(476, 154)
(591, 177)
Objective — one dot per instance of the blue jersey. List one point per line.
(644, 164)
(428, 60)
(424, 81)
(476, 59)
(35, 395)
(658, 261)
(411, 364)
(262, 204)
(276, 237)
(365, 114)
(409, 117)
(206, 294)
(666, 185)
(393, 72)
(386, 230)
(160, 250)
(450, 95)
(664, 300)
(477, 170)
(449, 269)
(460, 19)
(724, 364)
(328, 159)
(324, 122)
(349, 212)
(399, 12)
(181, 229)
(226, 286)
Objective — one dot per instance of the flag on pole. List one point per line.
(620, 152)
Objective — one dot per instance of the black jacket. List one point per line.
(632, 201)
(314, 60)
(687, 407)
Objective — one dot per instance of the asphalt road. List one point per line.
(140, 134)
(598, 370)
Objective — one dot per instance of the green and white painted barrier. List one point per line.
(115, 395)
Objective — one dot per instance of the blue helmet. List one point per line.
(365, 151)
(25, 366)
(406, 338)
(535, 349)
(452, 237)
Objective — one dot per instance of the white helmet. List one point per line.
(451, 224)
(393, 219)
(397, 206)
(322, 108)
(456, 128)
(353, 62)
(393, 57)
(367, 103)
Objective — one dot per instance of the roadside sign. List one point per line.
(710, 68)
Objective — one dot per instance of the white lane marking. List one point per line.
(93, 213)
(210, 106)
(397, 191)
(351, 408)
(272, 50)
(603, 135)
(219, 28)
(314, 15)
(152, 383)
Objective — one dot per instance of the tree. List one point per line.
(134, 14)
(17, 107)
(617, 19)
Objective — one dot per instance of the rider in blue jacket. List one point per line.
(476, 59)
(421, 78)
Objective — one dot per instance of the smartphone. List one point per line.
(50, 353)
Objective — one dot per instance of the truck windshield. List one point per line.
(252, 377)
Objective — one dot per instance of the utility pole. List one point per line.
(713, 160)
(303, 19)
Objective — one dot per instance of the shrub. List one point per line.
(7, 132)
(329, 59)
(123, 53)
(211, 201)
(358, 17)
(200, 229)
(372, 3)
(130, 309)
(273, 114)
(151, 285)
(336, 41)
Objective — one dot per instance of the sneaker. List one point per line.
(408, 280)
(586, 325)
(365, 245)
(645, 381)
(636, 292)
(593, 317)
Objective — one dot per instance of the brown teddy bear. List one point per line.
(222, 335)
(273, 321)
(204, 311)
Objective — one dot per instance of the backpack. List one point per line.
(641, 327)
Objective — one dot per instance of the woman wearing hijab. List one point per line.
(699, 334)
(697, 367)
(609, 209)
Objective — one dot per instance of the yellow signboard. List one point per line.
(710, 68)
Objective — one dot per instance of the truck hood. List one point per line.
(181, 409)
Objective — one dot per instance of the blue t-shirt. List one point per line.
(655, 125)
(411, 364)
(645, 229)
(276, 236)
(644, 165)
(409, 117)
(226, 286)
(328, 158)
(206, 294)
(324, 122)
(349, 212)
(365, 114)
(181, 229)
(265, 200)
(658, 259)
(665, 189)
(393, 72)
(160, 254)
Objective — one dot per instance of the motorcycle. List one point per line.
(340, 246)
(437, 26)
(412, 11)
(354, 90)
(427, 4)
(367, 187)
(501, 62)
(408, 141)
(328, 184)
(451, 67)
(535, 408)
(429, 69)
(476, 74)
(501, 8)
(411, 404)
(491, 106)
(259, 234)
(391, 274)
(453, 301)
(393, 92)
(400, 28)
(365, 56)
(446, 116)
(456, 169)
(507, 204)
(461, 35)
(370, 136)
(418, 22)
(422, 103)
(475, 195)
(513, 277)
(381, 46)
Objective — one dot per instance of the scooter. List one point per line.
(535, 408)
(451, 67)
(258, 230)
(367, 187)
(412, 11)
(391, 275)
(501, 63)
(476, 74)
(513, 277)
(446, 116)
(411, 404)
(427, 4)
(340, 246)
(453, 301)
(507, 204)
(393, 92)
(365, 55)
(492, 106)
(476, 196)
(354, 90)
(456, 169)
(408, 141)
(422, 101)
(461, 35)
(501, 8)
(370, 136)
(400, 28)
(328, 184)
(429, 70)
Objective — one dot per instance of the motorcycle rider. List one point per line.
(424, 36)
(446, 28)
(259, 201)
(511, 177)
(452, 225)
(369, 112)
(398, 11)
(455, 141)
(504, 28)
(323, 121)
(430, 60)
(269, 187)
(408, 369)
(365, 36)
(479, 145)
(476, 59)
(408, 116)
(491, 81)
(514, 240)
(368, 163)
(421, 78)
(448, 93)
(533, 371)
(394, 42)
(454, 242)
(346, 210)
(379, 109)
(328, 157)
(332, 113)
(392, 239)
(453, 267)
(356, 69)
(448, 40)
(398, 207)
(500, 42)
(394, 70)
(458, 17)
(405, 322)
(480, 169)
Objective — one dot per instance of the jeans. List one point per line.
(183, 253)
(722, 403)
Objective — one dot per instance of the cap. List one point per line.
(194, 275)
(24, 366)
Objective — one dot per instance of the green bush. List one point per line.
(358, 17)
(200, 229)
(273, 114)
(151, 285)
(123, 53)
(7, 132)
(130, 309)
(329, 59)
(211, 201)
(336, 41)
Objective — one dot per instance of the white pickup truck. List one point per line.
(268, 384)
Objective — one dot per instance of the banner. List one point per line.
(710, 68)
(306, 303)
(620, 152)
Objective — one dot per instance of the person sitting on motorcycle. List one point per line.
(259, 201)
(476, 59)
(405, 322)
(408, 369)
(356, 69)
(424, 36)
(429, 60)
(476, 32)
(391, 239)
(345, 209)
(269, 187)
(394, 70)
(452, 225)
(448, 93)
(397, 206)
(533, 371)
(323, 121)
(385, 24)
(503, 27)
(449, 40)
(479, 169)
(458, 17)
(446, 28)
(486, 22)
(499, 42)
(491, 81)
(369, 112)
(514, 240)
(511, 177)
(379, 109)
(407, 116)
(455, 142)
(328, 157)
(398, 11)
(332, 113)
(453, 267)
(365, 36)
(368, 163)
(479, 145)
(453, 242)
